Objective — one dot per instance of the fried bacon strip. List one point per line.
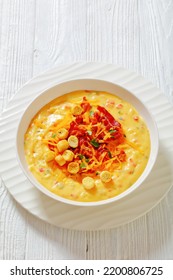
(99, 135)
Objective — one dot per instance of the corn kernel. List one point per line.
(49, 156)
(106, 176)
(62, 133)
(68, 155)
(73, 167)
(73, 141)
(88, 183)
(62, 145)
(77, 110)
(60, 160)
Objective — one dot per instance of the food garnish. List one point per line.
(90, 142)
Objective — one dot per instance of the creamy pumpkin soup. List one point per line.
(87, 146)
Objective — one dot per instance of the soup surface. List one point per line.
(87, 146)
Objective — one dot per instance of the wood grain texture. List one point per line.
(36, 35)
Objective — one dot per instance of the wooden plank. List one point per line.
(16, 56)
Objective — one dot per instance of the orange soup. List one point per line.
(87, 146)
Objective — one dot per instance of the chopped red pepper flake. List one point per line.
(41, 169)
(136, 118)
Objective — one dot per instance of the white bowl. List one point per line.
(87, 84)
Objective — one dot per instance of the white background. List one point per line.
(36, 35)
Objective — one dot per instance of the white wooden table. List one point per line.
(36, 35)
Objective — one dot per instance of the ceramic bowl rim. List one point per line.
(58, 198)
